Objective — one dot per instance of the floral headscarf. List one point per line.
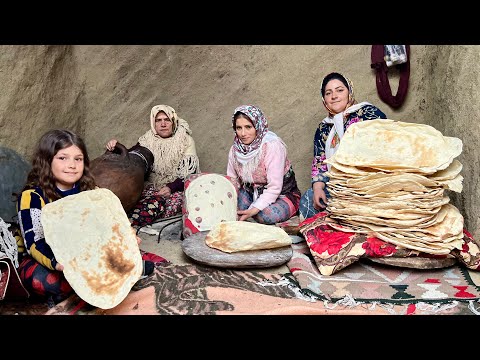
(249, 156)
(259, 122)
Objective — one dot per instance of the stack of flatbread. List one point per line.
(388, 178)
(91, 236)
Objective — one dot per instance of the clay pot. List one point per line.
(123, 172)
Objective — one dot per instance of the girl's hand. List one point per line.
(59, 267)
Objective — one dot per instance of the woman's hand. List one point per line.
(319, 194)
(59, 267)
(165, 192)
(111, 145)
(245, 214)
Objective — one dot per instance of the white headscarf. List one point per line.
(175, 156)
(338, 120)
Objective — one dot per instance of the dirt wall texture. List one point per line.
(105, 92)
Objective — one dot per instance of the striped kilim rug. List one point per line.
(369, 283)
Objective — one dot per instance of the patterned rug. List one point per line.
(362, 289)
(365, 282)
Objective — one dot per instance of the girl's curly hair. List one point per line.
(41, 174)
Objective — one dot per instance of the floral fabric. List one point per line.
(334, 250)
(153, 206)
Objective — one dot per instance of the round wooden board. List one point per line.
(195, 248)
(415, 262)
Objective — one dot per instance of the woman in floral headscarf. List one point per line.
(343, 111)
(258, 160)
(170, 141)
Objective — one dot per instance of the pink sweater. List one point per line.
(272, 167)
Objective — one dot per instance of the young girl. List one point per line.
(60, 168)
(258, 159)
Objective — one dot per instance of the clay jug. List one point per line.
(123, 172)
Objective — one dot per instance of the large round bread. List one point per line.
(91, 236)
(209, 200)
(233, 236)
(382, 143)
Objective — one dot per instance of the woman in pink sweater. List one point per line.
(258, 160)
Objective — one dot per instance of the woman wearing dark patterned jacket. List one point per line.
(343, 111)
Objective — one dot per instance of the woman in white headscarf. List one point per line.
(343, 111)
(170, 141)
(258, 160)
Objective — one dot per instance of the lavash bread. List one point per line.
(209, 200)
(389, 179)
(234, 236)
(91, 236)
(397, 145)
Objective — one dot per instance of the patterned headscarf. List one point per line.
(346, 81)
(259, 122)
(249, 156)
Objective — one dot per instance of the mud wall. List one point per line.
(105, 92)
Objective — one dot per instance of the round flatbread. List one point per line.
(233, 236)
(91, 236)
(420, 147)
(209, 200)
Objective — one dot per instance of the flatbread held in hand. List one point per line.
(91, 236)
